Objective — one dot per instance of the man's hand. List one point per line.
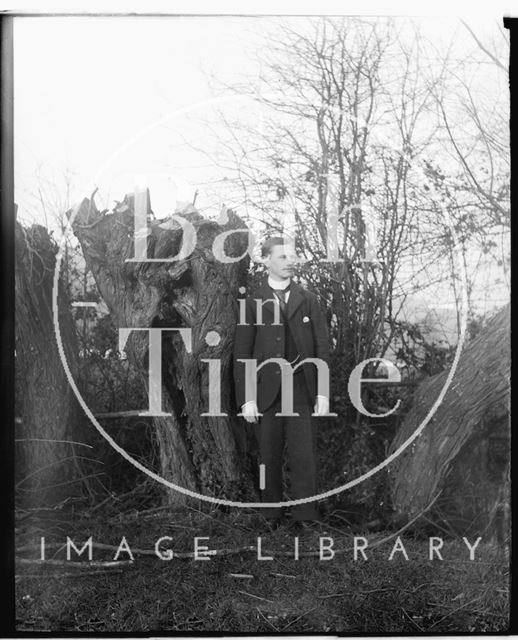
(250, 411)
(321, 406)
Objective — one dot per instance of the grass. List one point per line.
(283, 595)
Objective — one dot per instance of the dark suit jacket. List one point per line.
(260, 342)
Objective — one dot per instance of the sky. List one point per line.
(86, 86)
(90, 91)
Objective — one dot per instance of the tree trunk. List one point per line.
(203, 454)
(47, 414)
(462, 454)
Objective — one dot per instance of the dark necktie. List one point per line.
(281, 296)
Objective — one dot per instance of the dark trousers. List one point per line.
(300, 434)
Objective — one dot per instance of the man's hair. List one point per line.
(270, 242)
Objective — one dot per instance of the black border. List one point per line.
(8, 215)
(7, 620)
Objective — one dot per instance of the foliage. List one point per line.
(350, 162)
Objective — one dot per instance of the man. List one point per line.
(283, 320)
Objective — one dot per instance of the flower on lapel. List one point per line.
(305, 319)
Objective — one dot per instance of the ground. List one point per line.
(236, 592)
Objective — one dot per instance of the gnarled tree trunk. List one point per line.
(48, 420)
(462, 454)
(200, 453)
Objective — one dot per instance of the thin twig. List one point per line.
(296, 619)
(252, 595)
(355, 591)
(118, 414)
(267, 621)
(412, 621)
(78, 565)
(118, 498)
(97, 572)
(81, 444)
(462, 606)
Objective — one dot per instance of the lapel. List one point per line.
(264, 292)
(294, 301)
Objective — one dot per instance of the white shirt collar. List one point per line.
(278, 284)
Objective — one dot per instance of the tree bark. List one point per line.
(199, 453)
(48, 420)
(462, 452)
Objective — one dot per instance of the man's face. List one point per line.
(281, 261)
